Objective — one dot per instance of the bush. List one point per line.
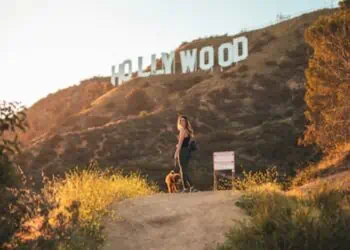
(242, 68)
(271, 63)
(143, 113)
(262, 41)
(12, 118)
(252, 180)
(138, 100)
(305, 175)
(228, 75)
(67, 213)
(98, 189)
(280, 221)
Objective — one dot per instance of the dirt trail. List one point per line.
(192, 221)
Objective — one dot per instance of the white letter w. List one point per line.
(188, 60)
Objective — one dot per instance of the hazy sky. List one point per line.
(48, 45)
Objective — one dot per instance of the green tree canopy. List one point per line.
(12, 117)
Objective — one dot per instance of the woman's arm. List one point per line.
(179, 144)
(181, 138)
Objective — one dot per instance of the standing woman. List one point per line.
(182, 154)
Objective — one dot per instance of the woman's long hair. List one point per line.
(188, 124)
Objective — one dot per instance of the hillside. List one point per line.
(255, 108)
(333, 169)
(50, 112)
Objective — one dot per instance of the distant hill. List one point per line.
(50, 112)
(255, 108)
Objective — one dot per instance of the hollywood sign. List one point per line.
(188, 60)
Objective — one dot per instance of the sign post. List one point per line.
(223, 161)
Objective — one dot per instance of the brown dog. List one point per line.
(171, 180)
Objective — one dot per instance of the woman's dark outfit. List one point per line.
(184, 159)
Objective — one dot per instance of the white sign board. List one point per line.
(224, 160)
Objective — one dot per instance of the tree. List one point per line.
(344, 4)
(328, 81)
(12, 117)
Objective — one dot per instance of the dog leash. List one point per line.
(177, 160)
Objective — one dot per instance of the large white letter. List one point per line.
(114, 76)
(153, 64)
(236, 41)
(154, 70)
(210, 64)
(222, 61)
(127, 76)
(121, 74)
(188, 60)
(168, 61)
(140, 72)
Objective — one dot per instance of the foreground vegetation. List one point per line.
(290, 220)
(68, 212)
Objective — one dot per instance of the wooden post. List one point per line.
(215, 184)
(233, 176)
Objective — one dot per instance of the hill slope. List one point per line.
(254, 108)
(50, 112)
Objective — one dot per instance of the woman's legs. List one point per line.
(184, 161)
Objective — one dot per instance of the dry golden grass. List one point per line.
(77, 204)
(95, 190)
(291, 220)
(333, 163)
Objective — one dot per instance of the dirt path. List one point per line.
(173, 221)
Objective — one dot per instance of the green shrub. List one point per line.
(12, 118)
(320, 220)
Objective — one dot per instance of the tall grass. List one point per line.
(280, 220)
(330, 164)
(96, 189)
(69, 211)
(252, 180)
